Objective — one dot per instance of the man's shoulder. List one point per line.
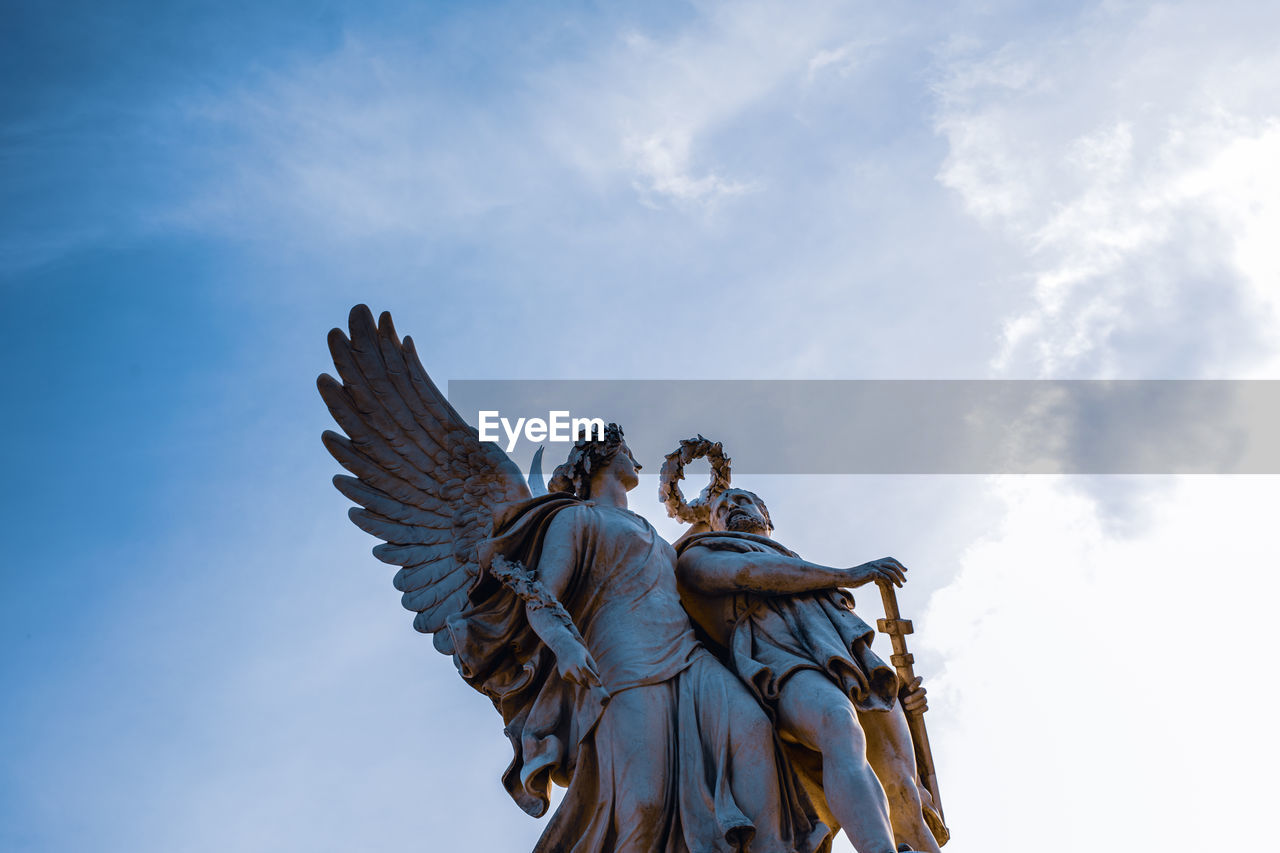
(732, 541)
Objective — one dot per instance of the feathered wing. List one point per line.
(426, 485)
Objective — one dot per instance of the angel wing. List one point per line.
(426, 485)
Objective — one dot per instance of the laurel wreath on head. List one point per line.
(673, 472)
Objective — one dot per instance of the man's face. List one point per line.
(739, 511)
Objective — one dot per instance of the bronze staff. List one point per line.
(897, 628)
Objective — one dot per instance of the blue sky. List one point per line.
(200, 653)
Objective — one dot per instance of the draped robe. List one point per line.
(769, 637)
(652, 770)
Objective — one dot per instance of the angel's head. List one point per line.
(740, 511)
(591, 459)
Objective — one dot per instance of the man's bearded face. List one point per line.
(739, 511)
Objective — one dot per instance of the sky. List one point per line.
(199, 652)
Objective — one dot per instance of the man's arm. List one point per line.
(720, 572)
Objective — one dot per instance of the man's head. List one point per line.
(740, 511)
(593, 458)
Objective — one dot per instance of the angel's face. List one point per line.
(739, 510)
(626, 468)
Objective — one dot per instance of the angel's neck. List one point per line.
(609, 492)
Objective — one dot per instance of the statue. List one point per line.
(788, 629)
(563, 610)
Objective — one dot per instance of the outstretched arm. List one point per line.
(719, 572)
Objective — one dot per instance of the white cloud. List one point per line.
(365, 143)
(649, 107)
(1095, 686)
(1133, 162)
(1100, 647)
(661, 162)
(842, 60)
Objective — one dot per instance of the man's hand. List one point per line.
(886, 569)
(913, 698)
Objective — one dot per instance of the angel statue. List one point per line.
(787, 627)
(563, 610)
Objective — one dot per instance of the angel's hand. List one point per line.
(884, 570)
(575, 665)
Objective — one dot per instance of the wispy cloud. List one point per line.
(1129, 159)
(364, 140)
(1116, 156)
(662, 166)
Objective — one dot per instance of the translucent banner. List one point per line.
(901, 426)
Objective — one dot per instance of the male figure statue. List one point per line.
(788, 629)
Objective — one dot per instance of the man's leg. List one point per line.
(818, 714)
(892, 756)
